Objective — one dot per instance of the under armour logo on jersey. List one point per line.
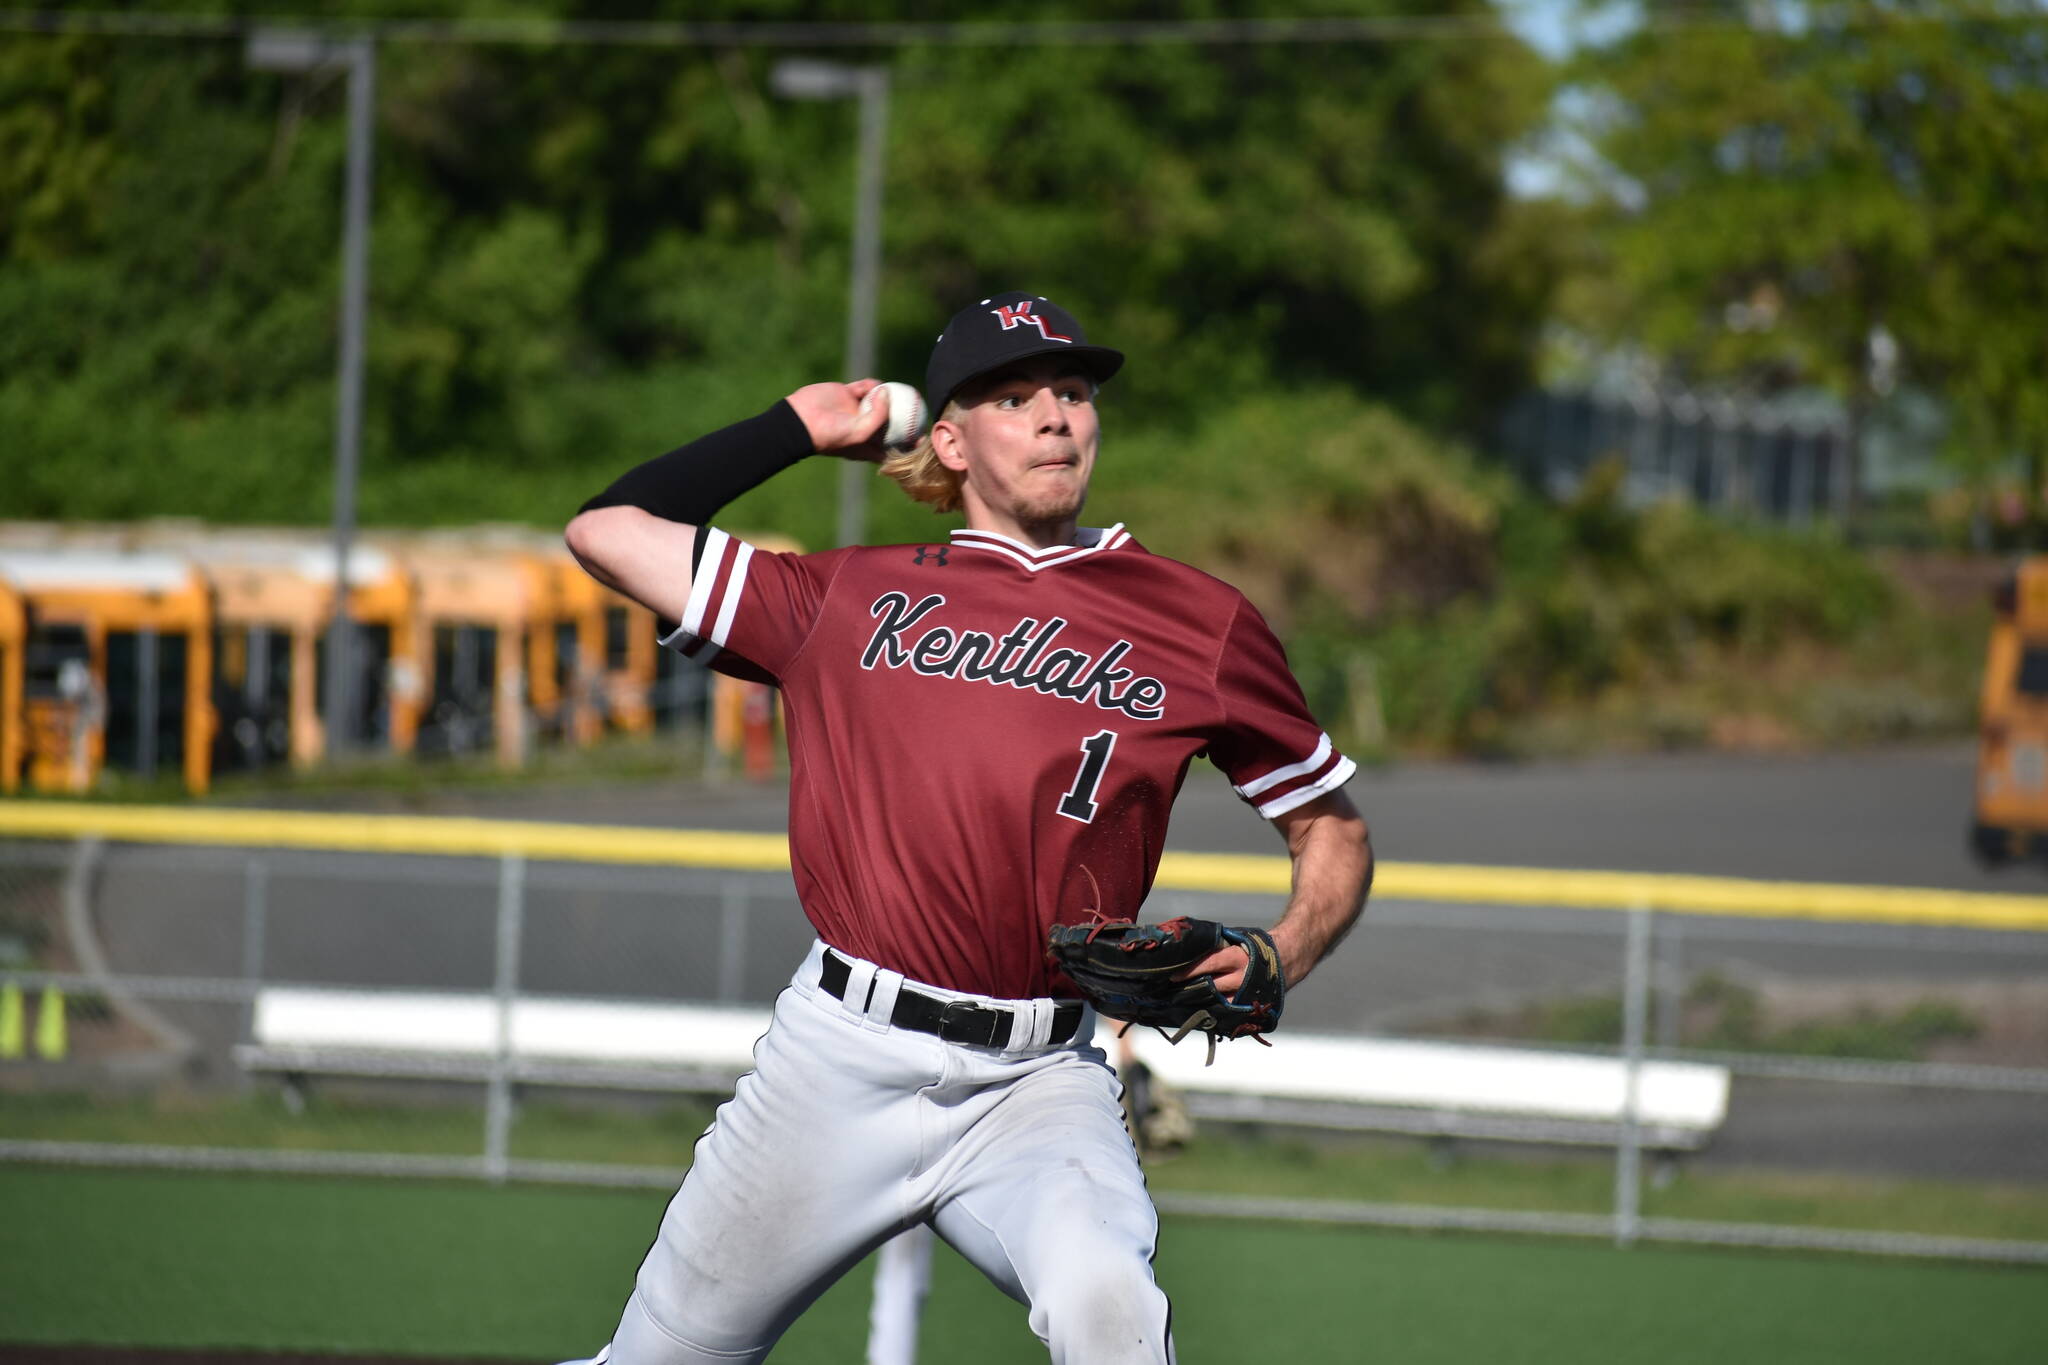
(1013, 315)
(936, 554)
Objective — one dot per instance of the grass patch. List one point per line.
(1382, 1170)
(650, 1136)
(1362, 1168)
(187, 1260)
(1390, 1170)
(1723, 1015)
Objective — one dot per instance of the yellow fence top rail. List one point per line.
(447, 836)
(1246, 873)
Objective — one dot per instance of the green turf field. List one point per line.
(1354, 1167)
(136, 1257)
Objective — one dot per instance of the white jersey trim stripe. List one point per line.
(695, 648)
(1036, 559)
(1085, 538)
(707, 576)
(1301, 796)
(731, 604)
(1279, 775)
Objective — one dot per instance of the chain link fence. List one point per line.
(511, 1018)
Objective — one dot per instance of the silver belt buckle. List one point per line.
(960, 1022)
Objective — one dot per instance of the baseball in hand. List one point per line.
(906, 415)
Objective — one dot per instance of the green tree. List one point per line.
(582, 255)
(1779, 185)
(1982, 129)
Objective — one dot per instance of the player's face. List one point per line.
(1025, 440)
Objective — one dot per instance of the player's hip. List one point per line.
(871, 1008)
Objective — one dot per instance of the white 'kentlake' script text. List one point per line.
(1023, 657)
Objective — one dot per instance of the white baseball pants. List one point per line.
(849, 1130)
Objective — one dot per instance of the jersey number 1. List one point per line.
(1079, 802)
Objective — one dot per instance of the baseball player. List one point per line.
(986, 736)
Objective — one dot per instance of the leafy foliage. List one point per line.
(584, 255)
(1779, 187)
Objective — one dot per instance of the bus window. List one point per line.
(50, 649)
(618, 645)
(2033, 674)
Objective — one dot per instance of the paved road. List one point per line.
(1889, 817)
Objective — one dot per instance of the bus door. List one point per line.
(63, 709)
(461, 709)
(145, 679)
(482, 615)
(253, 696)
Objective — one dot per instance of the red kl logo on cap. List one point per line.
(1011, 314)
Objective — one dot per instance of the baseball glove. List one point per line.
(1127, 972)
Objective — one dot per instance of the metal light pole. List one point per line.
(803, 79)
(296, 50)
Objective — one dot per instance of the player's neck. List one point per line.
(1017, 523)
(1039, 535)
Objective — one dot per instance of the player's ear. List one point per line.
(948, 446)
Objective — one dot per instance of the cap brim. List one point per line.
(1101, 363)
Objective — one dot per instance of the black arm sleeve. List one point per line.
(691, 483)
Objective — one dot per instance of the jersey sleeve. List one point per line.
(749, 610)
(1268, 745)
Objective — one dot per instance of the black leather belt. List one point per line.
(956, 1021)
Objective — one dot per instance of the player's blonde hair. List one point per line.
(920, 475)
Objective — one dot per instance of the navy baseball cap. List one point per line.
(1001, 330)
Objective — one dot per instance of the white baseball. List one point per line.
(906, 415)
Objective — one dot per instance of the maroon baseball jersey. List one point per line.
(985, 739)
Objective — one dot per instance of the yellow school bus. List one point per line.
(2012, 752)
(587, 655)
(484, 618)
(274, 604)
(118, 666)
(13, 648)
(609, 678)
